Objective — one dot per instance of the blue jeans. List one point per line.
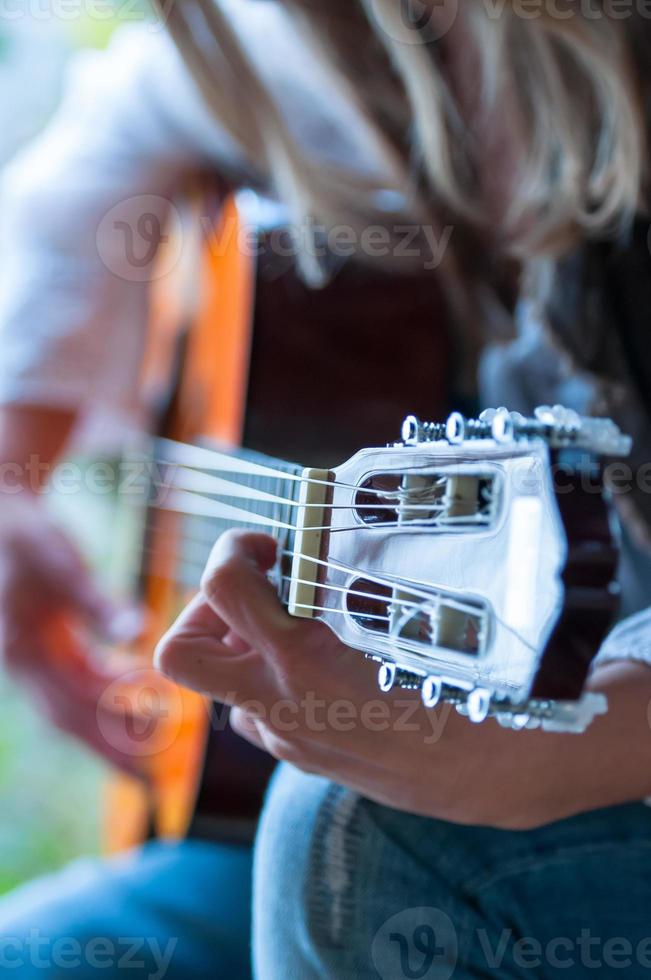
(345, 889)
(167, 912)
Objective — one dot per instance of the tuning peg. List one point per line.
(479, 705)
(602, 436)
(415, 432)
(558, 426)
(432, 691)
(390, 676)
(386, 677)
(459, 429)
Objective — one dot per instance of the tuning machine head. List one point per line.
(559, 427)
(415, 432)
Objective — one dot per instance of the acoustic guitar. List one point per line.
(244, 357)
(463, 557)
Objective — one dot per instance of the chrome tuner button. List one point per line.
(455, 429)
(386, 677)
(520, 721)
(414, 432)
(411, 429)
(502, 427)
(479, 705)
(432, 691)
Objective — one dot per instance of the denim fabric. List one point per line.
(168, 912)
(347, 889)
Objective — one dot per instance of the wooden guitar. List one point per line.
(455, 557)
(242, 354)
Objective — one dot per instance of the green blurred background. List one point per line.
(50, 787)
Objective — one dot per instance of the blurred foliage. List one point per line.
(49, 793)
(50, 787)
(92, 32)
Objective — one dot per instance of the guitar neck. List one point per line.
(212, 492)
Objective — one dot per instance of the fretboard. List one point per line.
(199, 528)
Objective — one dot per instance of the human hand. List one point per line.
(51, 614)
(307, 699)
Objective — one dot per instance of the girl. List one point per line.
(417, 853)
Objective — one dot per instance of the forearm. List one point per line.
(32, 438)
(552, 777)
(611, 763)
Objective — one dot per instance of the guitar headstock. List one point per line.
(467, 560)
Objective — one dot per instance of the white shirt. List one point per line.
(131, 129)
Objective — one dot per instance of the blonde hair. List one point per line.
(569, 85)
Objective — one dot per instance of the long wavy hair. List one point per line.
(526, 132)
(566, 88)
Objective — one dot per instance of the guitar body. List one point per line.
(259, 360)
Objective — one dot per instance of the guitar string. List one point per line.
(199, 530)
(198, 567)
(388, 583)
(293, 503)
(342, 612)
(184, 499)
(202, 546)
(195, 505)
(363, 574)
(207, 509)
(354, 592)
(224, 488)
(284, 525)
(411, 587)
(207, 460)
(225, 511)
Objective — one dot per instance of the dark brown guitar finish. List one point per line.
(331, 370)
(591, 597)
(339, 368)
